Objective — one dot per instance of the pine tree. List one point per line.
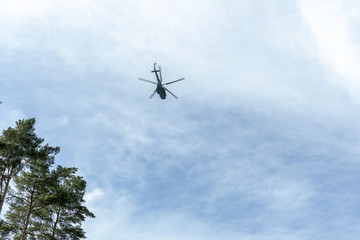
(30, 198)
(19, 146)
(44, 203)
(67, 211)
(48, 205)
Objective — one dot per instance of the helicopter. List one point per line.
(160, 86)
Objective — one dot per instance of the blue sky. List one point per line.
(263, 142)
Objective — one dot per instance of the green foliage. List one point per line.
(2, 145)
(44, 203)
(29, 201)
(20, 146)
(5, 230)
(66, 210)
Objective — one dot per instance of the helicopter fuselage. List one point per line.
(159, 88)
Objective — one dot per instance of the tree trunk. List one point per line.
(3, 194)
(26, 223)
(56, 222)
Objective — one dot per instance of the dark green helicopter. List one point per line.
(160, 88)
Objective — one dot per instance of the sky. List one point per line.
(263, 142)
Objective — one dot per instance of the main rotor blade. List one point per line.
(174, 81)
(141, 79)
(171, 93)
(160, 73)
(152, 94)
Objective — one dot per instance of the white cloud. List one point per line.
(22, 8)
(19, 9)
(330, 24)
(94, 195)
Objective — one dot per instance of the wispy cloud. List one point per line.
(96, 194)
(259, 145)
(331, 25)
